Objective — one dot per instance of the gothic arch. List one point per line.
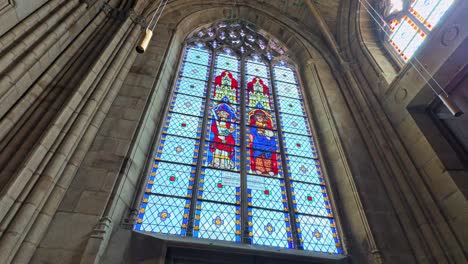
(322, 84)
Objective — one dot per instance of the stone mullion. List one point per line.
(287, 182)
(243, 167)
(196, 181)
(16, 230)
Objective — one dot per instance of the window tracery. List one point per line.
(236, 159)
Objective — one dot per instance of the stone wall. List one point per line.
(80, 112)
(433, 194)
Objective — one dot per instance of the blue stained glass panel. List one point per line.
(262, 139)
(257, 69)
(219, 186)
(217, 221)
(191, 87)
(159, 214)
(312, 199)
(183, 125)
(223, 132)
(290, 106)
(304, 169)
(171, 179)
(221, 156)
(298, 145)
(268, 193)
(287, 90)
(198, 56)
(294, 124)
(319, 234)
(195, 71)
(264, 163)
(270, 228)
(284, 74)
(229, 63)
(177, 149)
(188, 105)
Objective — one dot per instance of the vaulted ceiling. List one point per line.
(298, 10)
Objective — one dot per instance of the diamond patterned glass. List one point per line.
(319, 234)
(268, 193)
(304, 169)
(159, 214)
(177, 149)
(218, 185)
(257, 69)
(312, 199)
(195, 71)
(290, 106)
(287, 90)
(217, 221)
(298, 145)
(183, 125)
(188, 105)
(197, 55)
(187, 196)
(171, 179)
(191, 87)
(294, 124)
(270, 228)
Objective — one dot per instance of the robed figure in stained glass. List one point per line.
(262, 144)
(222, 136)
(222, 145)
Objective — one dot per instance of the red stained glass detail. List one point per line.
(220, 185)
(290, 105)
(266, 192)
(184, 125)
(192, 86)
(299, 145)
(172, 178)
(309, 198)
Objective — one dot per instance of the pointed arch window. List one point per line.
(409, 22)
(236, 160)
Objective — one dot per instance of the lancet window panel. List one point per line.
(236, 160)
(408, 23)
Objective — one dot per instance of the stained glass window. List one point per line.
(236, 160)
(409, 24)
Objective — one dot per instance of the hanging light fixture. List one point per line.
(146, 38)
